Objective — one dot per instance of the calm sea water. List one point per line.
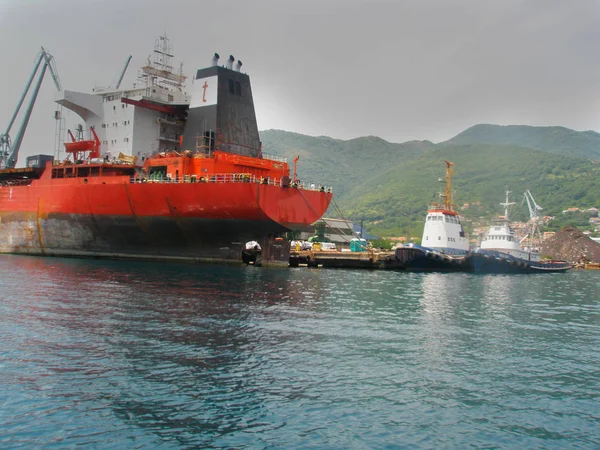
(138, 355)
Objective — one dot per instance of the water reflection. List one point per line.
(442, 294)
(441, 313)
(101, 354)
(169, 347)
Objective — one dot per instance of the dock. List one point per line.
(370, 259)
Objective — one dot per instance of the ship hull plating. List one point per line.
(178, 221)
(153, 238)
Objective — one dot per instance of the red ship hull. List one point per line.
(193, 183)
(116, 218)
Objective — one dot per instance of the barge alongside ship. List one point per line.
(190, 183)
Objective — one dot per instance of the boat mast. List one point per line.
(448, 205)
(507, 205)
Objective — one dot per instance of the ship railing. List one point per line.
(311, 186)
(234, 178)
(272, 157)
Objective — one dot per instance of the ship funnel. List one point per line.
(215, 59)
(219, 94)
(238, 66)
(230, 62)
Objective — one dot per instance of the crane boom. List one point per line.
(123, 72)
(9, 150)
(534, 208)
(11, 159)
(52, 68)
(535, 219)
(23, 95)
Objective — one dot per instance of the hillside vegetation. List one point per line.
(390, 186)
(337, 163)
(559, 140)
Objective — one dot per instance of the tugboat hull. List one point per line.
(417, 258)
(496, 262)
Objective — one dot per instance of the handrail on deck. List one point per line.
(233, 178)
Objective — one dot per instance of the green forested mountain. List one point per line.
(559, 140)
(390, 185)
(337, 163)
(397, 200)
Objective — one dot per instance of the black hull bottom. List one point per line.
(493, 262)
(484, 262)
(420, 259)
(141, 238)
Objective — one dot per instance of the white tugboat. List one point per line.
(501, 251)
(444, 245)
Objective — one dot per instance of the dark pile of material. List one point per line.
(571, 245)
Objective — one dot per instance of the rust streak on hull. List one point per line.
(39, 227)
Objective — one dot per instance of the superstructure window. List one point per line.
(231, 89)
(238, 88)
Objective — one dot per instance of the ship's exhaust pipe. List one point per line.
(230, 62)
(215, 59)
(238, 66)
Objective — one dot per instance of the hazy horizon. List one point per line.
(399, 70)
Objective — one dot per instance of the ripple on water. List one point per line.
(110, 354)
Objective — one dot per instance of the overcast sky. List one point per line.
(400, 70)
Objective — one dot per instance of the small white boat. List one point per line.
(501, 251)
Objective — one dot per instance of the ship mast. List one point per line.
(448, 205)
(158, 71)
(506, 205)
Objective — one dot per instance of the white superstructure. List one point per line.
(444, 232)
(140, 121)
(501, 237)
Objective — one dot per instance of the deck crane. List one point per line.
(122, 74)
(9, 149)
(535, 217)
